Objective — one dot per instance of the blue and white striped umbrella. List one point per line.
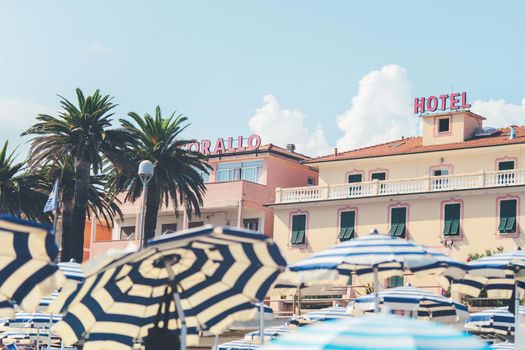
(269, 333)
(325, 314)
(377, 332)
(28, 271)
(33, 320)
(498, 320)
(219, 274)
(496, 288)
(387, 255)
(240, 344)
(423, 303)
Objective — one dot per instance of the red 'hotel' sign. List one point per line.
(451, 101)
(230, 145)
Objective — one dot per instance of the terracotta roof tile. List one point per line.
(414, 145)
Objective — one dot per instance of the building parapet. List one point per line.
(401, 186)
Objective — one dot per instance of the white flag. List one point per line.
(52, 201)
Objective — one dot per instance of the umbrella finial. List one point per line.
(518, 248)
(374, 232)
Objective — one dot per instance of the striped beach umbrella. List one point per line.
(325, 314)
(496, 272)
(28, 271)
(371, 257)
(269, 333)
(422, 303)
(377, 332)
(33, 320)
(216, 275)
(498, 320)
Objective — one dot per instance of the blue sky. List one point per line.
(215, 61)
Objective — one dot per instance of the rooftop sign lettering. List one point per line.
(229, 144)
(451, 101)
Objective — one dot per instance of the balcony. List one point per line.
(401, 186)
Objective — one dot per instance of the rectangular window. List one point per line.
(353, 178)
(298, 229)
(195, 224)
(310, 181)
(398, 222)
(396, 281)
(347, 222)
(247, 171)
(507, 216)
(379, 176)
(451, 225)
(444, 125)
(441, 172)
(506, 165)
(168, 228)
(127, 233)
(251, 224)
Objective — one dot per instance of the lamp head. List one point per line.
(146, 169)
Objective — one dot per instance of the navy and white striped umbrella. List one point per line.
(219, 274)
(422, 303)
(497, 288)
(33, 320)
(494, 271)
(498, 320)
(377, 332)
(384, 254)
(28, 271)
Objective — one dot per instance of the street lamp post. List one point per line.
(145, 174)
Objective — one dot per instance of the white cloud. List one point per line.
(16, 116)
(99, 49)
(500, 113)
(282, 126)
(381, 110)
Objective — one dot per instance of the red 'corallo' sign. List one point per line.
(229, 144)
(455, 100)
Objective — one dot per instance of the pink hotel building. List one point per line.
(238, 189)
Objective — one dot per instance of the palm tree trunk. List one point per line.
(67, 212)
(152, 210)
(78, 220)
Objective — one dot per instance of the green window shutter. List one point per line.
(347, 222)
(379, 176)
(298, 229)
(355, 178)
(507, 214)
(396, 281)
(452, 217)
(398, 219)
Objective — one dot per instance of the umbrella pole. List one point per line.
(178, 304)
(261, 322)
(299, 302)
(516, 313)
(376, 289)
(38, 338)
(49, 333)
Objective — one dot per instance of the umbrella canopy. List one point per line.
(424, 303)
(387, 255)
(32, 320)
(379, 331)
(28, 271)
(503, 346)
(498, 320)
(217, 275)
(495, 287)
(328, 313)
(269, 333)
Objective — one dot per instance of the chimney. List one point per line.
(290, 147)
(335, 151)
(512, 134)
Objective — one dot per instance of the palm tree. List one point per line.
(177, 178)
(83, 133)
(20, 190)
(102, 205)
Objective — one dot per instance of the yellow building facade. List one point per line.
(459, 188)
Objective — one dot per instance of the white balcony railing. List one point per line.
(402, 186)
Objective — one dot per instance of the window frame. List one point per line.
(437, 119)
(448, 236)
(249, 221)
(395, 227)
(291, 231)
(340, 227)
(440, 120)
(517, 228)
